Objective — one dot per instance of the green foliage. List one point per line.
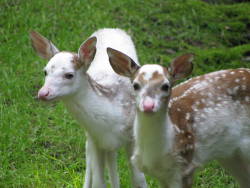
(221, 58)
(41, 145)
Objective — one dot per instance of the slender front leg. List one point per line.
(173, 182)
(163, 185)
(174, 185)
(188, 173)
(97, 159)
(111, 159)
(187, 181)
(88, 174)
(176, 180)
(138, 178)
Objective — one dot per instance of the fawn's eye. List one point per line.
(165, 87)
(45, 73)
(136, 86)
(68, 75)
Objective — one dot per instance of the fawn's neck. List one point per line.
(154, 134)
(77, 103)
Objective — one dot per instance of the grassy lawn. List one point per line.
(40, 144)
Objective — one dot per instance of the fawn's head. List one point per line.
(64, 69)
(152, 83)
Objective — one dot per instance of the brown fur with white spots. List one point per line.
(180, 129)
(222, 86)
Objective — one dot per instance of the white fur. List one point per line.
(107, 121)
(100, 69)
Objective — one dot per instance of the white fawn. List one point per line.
(99, 99)
(180, 129)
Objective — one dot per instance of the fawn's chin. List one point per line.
(147, 112)
(49, 99)
(154, 111)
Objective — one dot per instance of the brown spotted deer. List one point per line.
(99, 99)
(180, 129)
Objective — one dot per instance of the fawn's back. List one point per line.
(212, 114)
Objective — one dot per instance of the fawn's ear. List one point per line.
(121, 63)
(86, 52)
(181, 67)
(43, 47)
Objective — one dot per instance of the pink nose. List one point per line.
(43, 94)
(148, 105)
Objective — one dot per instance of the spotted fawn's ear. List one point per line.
(121, 63)
(86, 52)
(181, 67)
(44, 48)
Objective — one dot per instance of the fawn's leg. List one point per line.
(111, 159)
(138, 178)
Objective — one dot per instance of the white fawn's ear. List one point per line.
(86, 52)
(44, 48)
(181, 67)
(121, 63)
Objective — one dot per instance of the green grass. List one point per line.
(40, 144)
